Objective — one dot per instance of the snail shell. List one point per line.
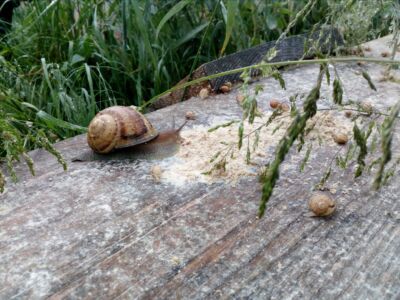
(340, 138)
(284, 107)
(190, 115)
(204, 92)
(367, 107)
(240, 98)
(321, 205)
(156, 173)
(226, 87)
(119, 127)
(348, 113)
(274, 103)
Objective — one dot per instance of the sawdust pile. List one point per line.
(199, 147)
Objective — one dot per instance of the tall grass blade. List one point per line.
(230, 22)
(190, 35)
(90, 81)
(144, 31)
(172, 12)
(54, 122)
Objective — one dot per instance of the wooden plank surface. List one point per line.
(104, 230)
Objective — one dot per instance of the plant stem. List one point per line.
(295, 129)
(363, 113)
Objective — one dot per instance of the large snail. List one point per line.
(119, 127)
(121, 132)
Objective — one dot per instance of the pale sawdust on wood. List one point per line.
(199, 146)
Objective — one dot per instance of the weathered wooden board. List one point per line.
(105, 230)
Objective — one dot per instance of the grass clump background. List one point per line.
(64, 60)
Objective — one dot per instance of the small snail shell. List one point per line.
(274, 103)
(348, 113)
(204, 92)
(367, 107)
(321, 205)
(226, 87)
(284, 107)
(119, 127)
(385, 54)
(340, 138)
(156, 173)
(240, 98)
(190, 115)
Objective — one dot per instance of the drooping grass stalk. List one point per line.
(387, 135)
(361, 141)
(295, 129)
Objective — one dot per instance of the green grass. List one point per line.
(134, 49)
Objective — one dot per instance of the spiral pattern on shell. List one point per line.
(322, 205)
(119, 127)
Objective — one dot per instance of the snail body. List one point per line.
(119, 127)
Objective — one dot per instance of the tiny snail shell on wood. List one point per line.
(321, 205)
(367, 107)
(274, 103)
(156, 173)
(284, 107)
(240, 98)
(385, 54)
(190, 115)
(348, 113)
(204, 92)
(119, 127)
(340, 138)
(226, 87)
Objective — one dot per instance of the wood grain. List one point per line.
(104, 230)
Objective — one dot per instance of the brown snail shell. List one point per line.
(385, 54)
(119, 127)
(274, 103)
(348, 113)
(367, 107)
(321, 205)
(226, 87)
(204, 92)
(240, 98)
(284, 107)
(340, 138)
(190, 115)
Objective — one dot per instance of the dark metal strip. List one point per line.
(291, 48)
